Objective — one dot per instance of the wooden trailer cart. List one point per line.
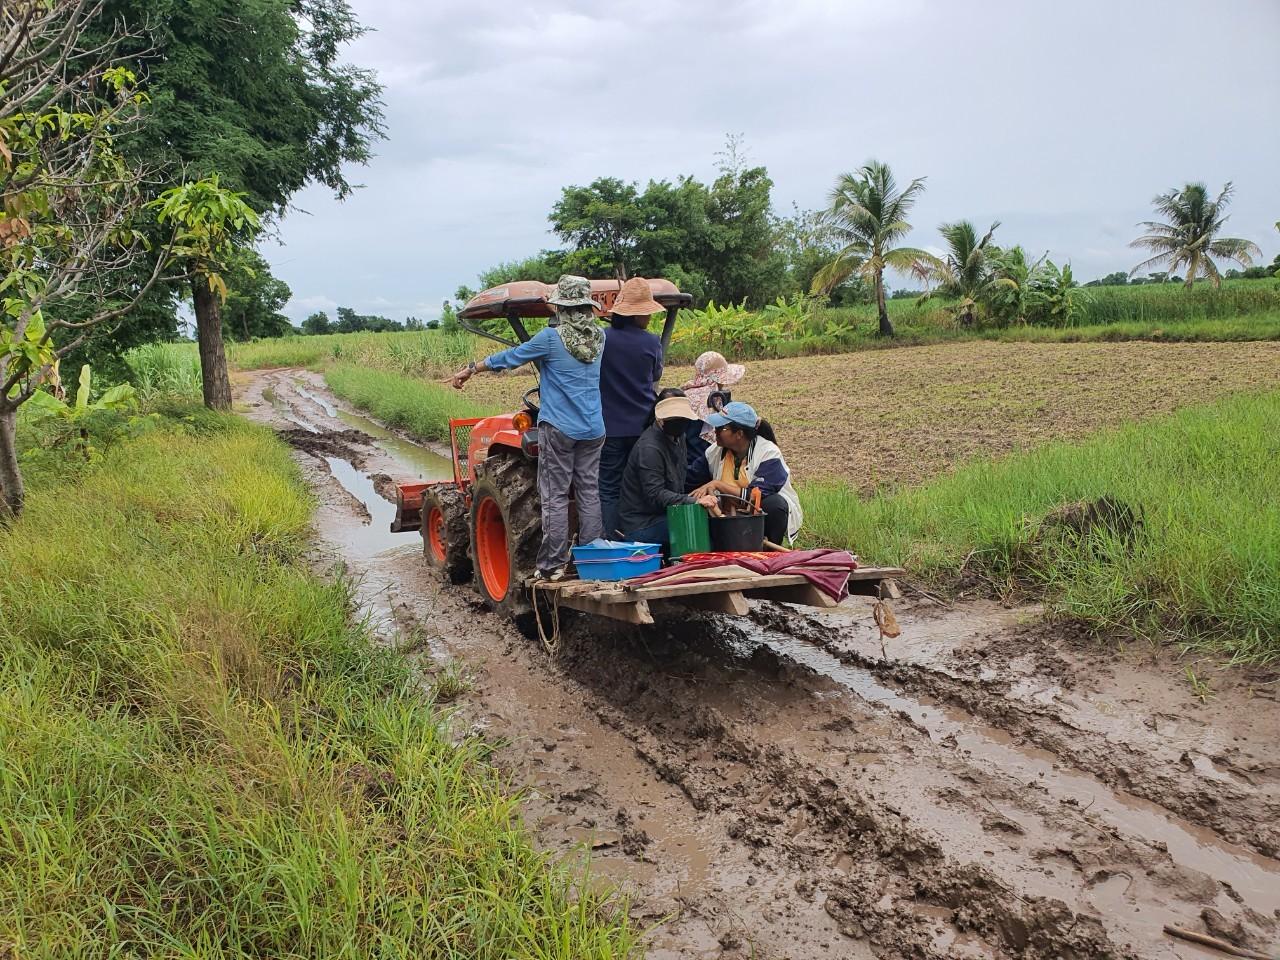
(632, 603)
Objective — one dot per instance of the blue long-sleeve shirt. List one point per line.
(570, 394)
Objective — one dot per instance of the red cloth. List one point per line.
(828, 570)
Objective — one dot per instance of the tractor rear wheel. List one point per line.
(506, 528)
(446, 533)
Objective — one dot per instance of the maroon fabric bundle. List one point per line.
(827, 570)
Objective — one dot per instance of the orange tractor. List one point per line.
(484, 525)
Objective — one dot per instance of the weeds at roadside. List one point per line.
(203, 757)
(450, 682)
(1199, 686)
(161, 371)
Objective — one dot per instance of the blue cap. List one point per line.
(743, 414)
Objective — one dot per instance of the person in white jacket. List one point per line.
(743, 459)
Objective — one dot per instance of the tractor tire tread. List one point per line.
(457, 533)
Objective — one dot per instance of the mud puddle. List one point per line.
(1255, 878)
(759, 795)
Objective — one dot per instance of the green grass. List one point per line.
(429, 353)
(203, 758)
(1204, 565)
(1242, 310)
(423, 409)
(165, 370)
(1170, 302)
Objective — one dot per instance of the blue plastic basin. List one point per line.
(618, 561)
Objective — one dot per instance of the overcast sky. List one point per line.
(1059, 120)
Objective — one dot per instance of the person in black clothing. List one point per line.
(654, 478)
(629, 373)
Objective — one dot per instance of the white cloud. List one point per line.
(1053, 123)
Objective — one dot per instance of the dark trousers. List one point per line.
(778, 512)
(613, 460)
(564, 464)
(654, 533)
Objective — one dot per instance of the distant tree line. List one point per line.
(351, 322)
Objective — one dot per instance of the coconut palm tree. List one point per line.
(1189, 235)
(964, 271)
(868, 216)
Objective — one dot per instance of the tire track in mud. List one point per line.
(1236, 812)
(754, 805)
(904, 864)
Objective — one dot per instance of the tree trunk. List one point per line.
(11, 491)
(886, 328)
(213, 358)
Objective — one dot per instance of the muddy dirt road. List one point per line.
(773, 786)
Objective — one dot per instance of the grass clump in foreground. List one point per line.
(203, 758)
(1204, 562)
(423, 409)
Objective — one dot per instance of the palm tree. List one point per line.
(1189, 235)
(868, 216)
(965, 271)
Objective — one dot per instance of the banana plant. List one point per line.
(120, 397)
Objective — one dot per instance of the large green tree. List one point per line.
(716, 242)
(868, 214)
(255, 91)
(603, 222)
(1188, 236)
(255, 299)
(740, 256)
(74, 260)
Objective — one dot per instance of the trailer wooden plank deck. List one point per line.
(628, 602)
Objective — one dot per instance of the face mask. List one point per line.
(673, 428)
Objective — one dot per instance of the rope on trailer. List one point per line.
(550, 644)
(886, 622)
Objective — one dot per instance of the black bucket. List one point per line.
(737, 533)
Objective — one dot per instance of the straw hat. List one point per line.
(674, 408)
(635, 299)
(713, 366)
(572, 291)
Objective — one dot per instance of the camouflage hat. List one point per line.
(572, 291)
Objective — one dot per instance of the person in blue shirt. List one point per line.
(629, 375)
(570, 425)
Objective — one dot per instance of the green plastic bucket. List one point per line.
(687, 524)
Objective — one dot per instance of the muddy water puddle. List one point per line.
(1255, 878)
(415, 462)
(287, 413)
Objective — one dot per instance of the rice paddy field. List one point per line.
(893, 418)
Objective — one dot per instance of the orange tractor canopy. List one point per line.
(485, 524)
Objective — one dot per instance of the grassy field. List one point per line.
(203, 758)
(1194, 550)
(421, 407)
(1243, 310)
(901, 417)
(427, 353)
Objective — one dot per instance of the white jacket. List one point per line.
(764, 451)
